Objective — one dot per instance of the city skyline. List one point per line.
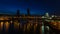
(36, 6)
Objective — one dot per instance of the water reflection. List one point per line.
(6, 26)
(1, 25)
(28, 27)
(42, 28)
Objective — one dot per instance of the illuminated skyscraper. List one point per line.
(47, 15)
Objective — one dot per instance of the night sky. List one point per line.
(38, 7)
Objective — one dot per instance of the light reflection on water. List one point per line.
(26, 27)
(6, 26)
(1, 24)
(42, 28)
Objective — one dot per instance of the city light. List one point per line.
(29, 23)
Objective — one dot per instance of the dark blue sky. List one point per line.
(38, 7)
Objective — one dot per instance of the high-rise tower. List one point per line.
(18, 13)
(28, 11)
